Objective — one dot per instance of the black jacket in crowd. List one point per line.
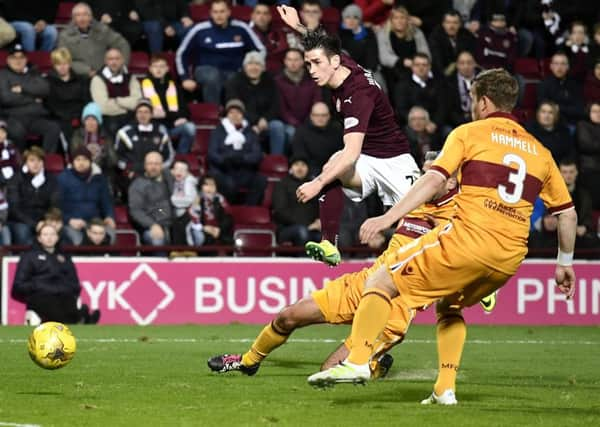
(408, 94)
(588, 147)
(365, 51)
(454, 114)
(31, 10)
(67, 98)
(444, 53)
(27, 204)
(317, 144)
(164, 11)
(558, 140)
(132, 145)
(42, 273)
(287, 210)
(25, 103)
(566, 93)
(260, 100)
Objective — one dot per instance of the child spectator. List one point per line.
(169, 107)
(184, 194)
(95, 235)
(210, 222)
(69, 92)
(92, 135)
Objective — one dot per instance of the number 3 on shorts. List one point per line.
(516, 178)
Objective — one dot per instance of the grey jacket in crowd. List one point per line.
(28, 102)
(88, 52)
(150, 201)
(387, 56)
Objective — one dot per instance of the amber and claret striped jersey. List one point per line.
(502, 170)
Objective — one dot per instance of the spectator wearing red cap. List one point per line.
(83, 195)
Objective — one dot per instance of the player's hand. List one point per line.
(308, 190)
(289, 15)
(372, 226)
(565, 280)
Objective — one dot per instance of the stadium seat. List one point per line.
(200, 146)
(195, 166)
(253, 217)
(268, 197)
(528, 68)
(138, 63)
(252, 242)
(128, 238)
(545, 67)
(241, 12)
(41, 60)
(170, 57)
(199, 12)
(274, 166)
(3, 56)
(63, 13)
(122, 217)
(204, 113)
(523, 115)
(529, 100)
(331, 20)
(54, 163)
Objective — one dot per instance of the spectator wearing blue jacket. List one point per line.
(234, 155)
(83, 195)
(215, 49)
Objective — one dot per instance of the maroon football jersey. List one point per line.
(365, 108)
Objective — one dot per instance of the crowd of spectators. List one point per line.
(128, 137)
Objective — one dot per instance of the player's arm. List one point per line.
(289, 15)
(421, 192)
(564, 275)
(338, 165)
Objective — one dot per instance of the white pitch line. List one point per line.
(303, 341)
(2, 423)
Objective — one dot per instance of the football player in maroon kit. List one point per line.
(376, 154)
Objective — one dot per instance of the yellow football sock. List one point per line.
(267, 341)
(451, 335)
(369, 320)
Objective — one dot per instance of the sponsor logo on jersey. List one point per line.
(350, 122)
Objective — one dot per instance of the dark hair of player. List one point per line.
(319, 39)
(499, 86)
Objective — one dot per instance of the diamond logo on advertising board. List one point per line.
(157, 294)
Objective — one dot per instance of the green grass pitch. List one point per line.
(157, 376)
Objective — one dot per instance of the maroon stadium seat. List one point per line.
(63, 13)
(268, 197)
(545, 67)
(138, 63)
(200, 12)
(331, 20)
(54, 163)
(122, 217)
(252, 242)
(204, 113)
(530, 96)
(200, 145)
(528, 68)
(41, 60)
(128, 238)
(241, 12)
(253, 217)
(274, 166)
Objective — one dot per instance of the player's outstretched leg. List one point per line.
(331, 204)
(379, 365)
(302, 313)
(489, 302)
